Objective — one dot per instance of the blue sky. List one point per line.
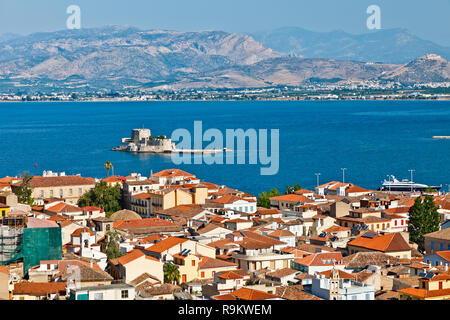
(427, 19)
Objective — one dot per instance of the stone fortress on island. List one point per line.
(142, 141)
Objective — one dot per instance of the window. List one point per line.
(124, 294)
(395, 222)
(42, 193)
(51, 193)
(353, 297)
(98, 296)
(202, 275)
(432, 245)
(108, 227)
(61, 193)
(80, 191)
(367, 296)
(193, 263)
(70, 191)
(441, 246)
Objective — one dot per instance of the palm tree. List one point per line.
(108, 166)
(171, 273)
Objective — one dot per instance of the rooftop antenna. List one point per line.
(317, 175)
(343, 174)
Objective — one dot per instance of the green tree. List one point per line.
(23, 191)
(291, 189)
(104, 196)
(112, 248)
(264, 198)
(171, 273)
(423, 218)
(108, 166)
(429, 190)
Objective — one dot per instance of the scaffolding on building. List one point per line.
(11, 236)
(28, 245)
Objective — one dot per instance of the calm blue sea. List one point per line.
(369, 138)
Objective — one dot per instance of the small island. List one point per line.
(142, 141)
(441, 137)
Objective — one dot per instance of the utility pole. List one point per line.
(317, 175)
(411, 171)
(343, 174)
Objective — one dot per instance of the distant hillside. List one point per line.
(119, 58)
(387, 46)
(429, 68)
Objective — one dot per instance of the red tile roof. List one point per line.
(252, 294)
(173, 173)
(444, 254)
(39, 288)
(321, 259)
(210, 263)
(131, 256)
(166, 244)
(42, 182)
(292, 198)
(78, 232)
(384, 243)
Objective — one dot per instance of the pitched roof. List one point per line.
(281, 233)
(252, 294)
(321, 259)
(173, 173)
(229, 198)
(384, 243)
(39, 288)
(64, 207)
(78, 232)
(294, 293)
(444, 254)
(166, 244)
(280, 273)
(33, 222)
(364, 259)
(342, 274)
(219, 243)
(142, 223)
(423, 293)
(230, 275)
(42, 182)
(211, 263)
(292, 198)
(441, 234)
(131, 256)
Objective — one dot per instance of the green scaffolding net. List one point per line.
(37, 244)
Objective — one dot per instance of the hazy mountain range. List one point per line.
(115, 57)
(388, 46)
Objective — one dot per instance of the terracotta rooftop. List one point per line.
(280, 273)
(42, 182)
(363, 259)
(166, 244)
(321, 259)
(39, 288)
(252, 294)
(210, 263)
(173, 173)
(385, 243)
